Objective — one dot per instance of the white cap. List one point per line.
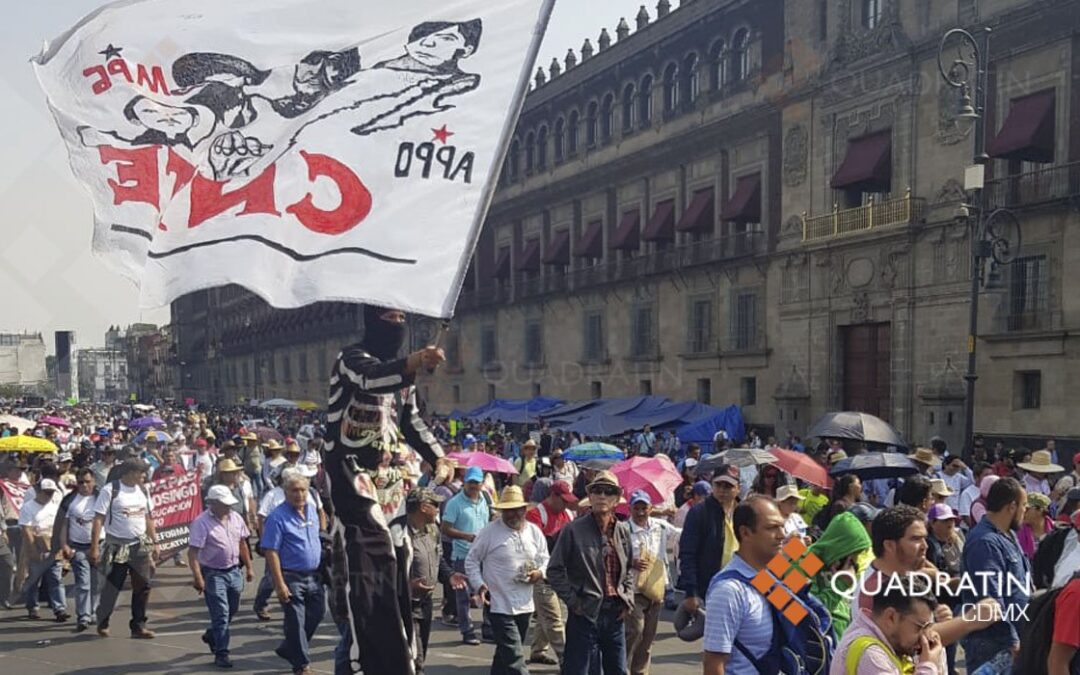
(64, 457)
(47, 484)
(221, 494)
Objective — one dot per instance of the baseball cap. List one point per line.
(941, 512)
(787, 492)
(701, 488)
(200, 443)
(640, 497)
(864, 511)
(562, 489)
(474, 474)
(726, 473)
(47, 485)
(690, 462)
(222, 495)
(65, 457)
(423, 494)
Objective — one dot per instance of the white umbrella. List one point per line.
(20, 423)
(279, 403)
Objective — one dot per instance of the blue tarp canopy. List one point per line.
(618, 416)
(512, 411)
(729, 419)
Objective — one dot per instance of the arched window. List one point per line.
(560, 137)
(628, 108)
(645, 101)
(514, 159)
(740, 55)
(574, 125)
(690, 79)
(719, 57)
(541, 147)
(607, 118)
(671, 88)
(530, 152)
(591, 124)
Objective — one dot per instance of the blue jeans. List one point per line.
(509, 631)
(265, 590)
(465, 624)
(87, 586)
(222, 595)
(51, 573)
(303, 615)
(342, 662)
(981, 651)
(583, 637)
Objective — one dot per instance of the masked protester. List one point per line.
(372, 411)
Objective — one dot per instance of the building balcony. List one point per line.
(1034, 188)
(903, 211)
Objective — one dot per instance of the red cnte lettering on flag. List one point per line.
(137, 180)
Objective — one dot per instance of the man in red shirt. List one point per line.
(1065, 645)
(169, 465)
(550, 515)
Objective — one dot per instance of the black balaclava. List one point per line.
(382, 339)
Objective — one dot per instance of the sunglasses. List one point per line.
(607, 491)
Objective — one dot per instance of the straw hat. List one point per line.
(939, 489)
(1041, 462)
(227, 465)
(272, 444)
(836, 456)
(512, 498)
(925, 456)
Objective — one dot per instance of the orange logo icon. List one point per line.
(785, 575)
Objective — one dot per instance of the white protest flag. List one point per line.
(306, 149)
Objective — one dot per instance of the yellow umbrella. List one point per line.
(26, 444)
(307, 405)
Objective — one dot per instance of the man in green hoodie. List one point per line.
(839, 548)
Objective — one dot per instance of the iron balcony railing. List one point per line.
(905, 210)
(1035, 187)
(704, 252)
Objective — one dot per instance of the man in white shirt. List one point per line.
(507, 558)
(971, 493)
(37, 518)
(74, 529)
(124, 512)
(649, 541)
(646, 442)
(204, 460)
(955, 475)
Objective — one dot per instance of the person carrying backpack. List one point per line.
(1050, 642)
(744, 633)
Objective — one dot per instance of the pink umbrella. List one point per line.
(53, 420)
(491, 463)
(656, 475)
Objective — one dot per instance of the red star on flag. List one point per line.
(442, 135)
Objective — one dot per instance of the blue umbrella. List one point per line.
(146, 422)
(875, 465)
(593, 450)
(153, 435)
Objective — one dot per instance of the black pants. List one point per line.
(421, 613)
(378, 595)
(509, 632)
(140, 591)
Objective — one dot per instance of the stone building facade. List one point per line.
(756, 202)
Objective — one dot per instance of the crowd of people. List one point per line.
(558, 564)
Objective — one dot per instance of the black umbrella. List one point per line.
(740, 457)
(598, 464)
(856, 426)
(875, 465)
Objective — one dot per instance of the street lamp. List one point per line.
(964, 64)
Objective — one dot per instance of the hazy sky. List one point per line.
(50, 280)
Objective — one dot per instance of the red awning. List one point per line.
(745, 205)
(502, 264)
(558, 251)
(1028, 132)
(591, 244)
(530, 257)
(626, 237)
(661, 226)
(867, 165)
(699, 215)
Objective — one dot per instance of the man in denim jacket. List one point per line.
(997, 568)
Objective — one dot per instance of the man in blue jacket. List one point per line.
(705, 540)
(995, 565)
